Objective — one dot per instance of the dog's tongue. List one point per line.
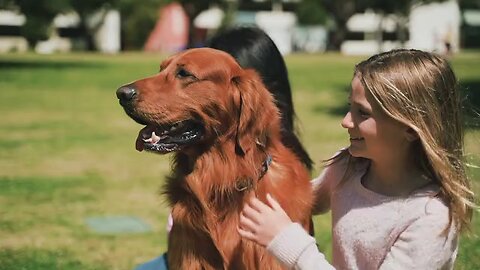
(144, 133)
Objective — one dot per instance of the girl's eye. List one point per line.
(363, 113)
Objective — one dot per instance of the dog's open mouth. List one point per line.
(168, 138)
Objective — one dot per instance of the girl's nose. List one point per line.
(347, 121)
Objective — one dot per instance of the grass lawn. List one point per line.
(67, 153)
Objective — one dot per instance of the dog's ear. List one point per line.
(256, 113)
(238, 101)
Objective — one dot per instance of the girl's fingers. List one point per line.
(246, 234)
(247, 224)
(251, 213)
(273, 203)
(259, 205)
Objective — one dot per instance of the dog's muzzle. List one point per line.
(126, 94)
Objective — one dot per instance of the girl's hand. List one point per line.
(260, 222)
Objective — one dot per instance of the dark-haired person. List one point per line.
(253, 48)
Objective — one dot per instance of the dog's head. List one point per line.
(199, 96)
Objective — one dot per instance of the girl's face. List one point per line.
(373, 134)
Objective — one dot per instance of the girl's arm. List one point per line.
(271, 227)
(326, 182)
(321, 192)
(424, 244)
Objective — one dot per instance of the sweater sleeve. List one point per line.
(296, 249)
(324, 184)
(423, 244)
(321, 190)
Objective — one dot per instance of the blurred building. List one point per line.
(369, 33)
(10, 39)
(65, 35)
(439, 27)
(432, 27)
(276, 18)
(435, 27)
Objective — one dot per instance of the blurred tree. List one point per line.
(193, 8)
(469, 4)
(7, 4)
(469, 34)
(138, 20)
(341, 11)
(88, 25)
(39, 15)
(310, 12)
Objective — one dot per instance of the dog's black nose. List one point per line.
(126, 93)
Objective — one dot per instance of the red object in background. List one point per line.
(171, 31)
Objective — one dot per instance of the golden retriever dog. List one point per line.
(224, 129)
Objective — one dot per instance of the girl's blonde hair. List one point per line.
(419, 89)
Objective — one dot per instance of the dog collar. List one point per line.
(245, 183)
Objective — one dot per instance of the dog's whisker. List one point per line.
(216, 132)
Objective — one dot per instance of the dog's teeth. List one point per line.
(154, 137)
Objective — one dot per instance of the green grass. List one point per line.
(67, 153)
(39, 259)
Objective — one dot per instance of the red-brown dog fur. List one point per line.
(238, 113)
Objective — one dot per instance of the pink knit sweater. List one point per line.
(370, 230)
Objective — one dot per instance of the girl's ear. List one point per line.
(411, 134)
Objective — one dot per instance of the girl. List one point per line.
(399, 194)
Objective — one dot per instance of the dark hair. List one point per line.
(253, 48)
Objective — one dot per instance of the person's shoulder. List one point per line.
(429, 205)
(343, 162)
(342, 166)
(436, 207)
(336, 164)
(339, 160)
(429, 197)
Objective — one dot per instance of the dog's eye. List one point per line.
(182, 73)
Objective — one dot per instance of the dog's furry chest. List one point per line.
(206, 207)
(206, 229)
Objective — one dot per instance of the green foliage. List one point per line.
(138, 20)
(311, 12)
(7, 4)
(39, 15)
(393, 6)
(86, 7)
(36, 28)
(469, 4)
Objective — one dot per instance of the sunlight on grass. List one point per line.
(67, 153)
(39, 259)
